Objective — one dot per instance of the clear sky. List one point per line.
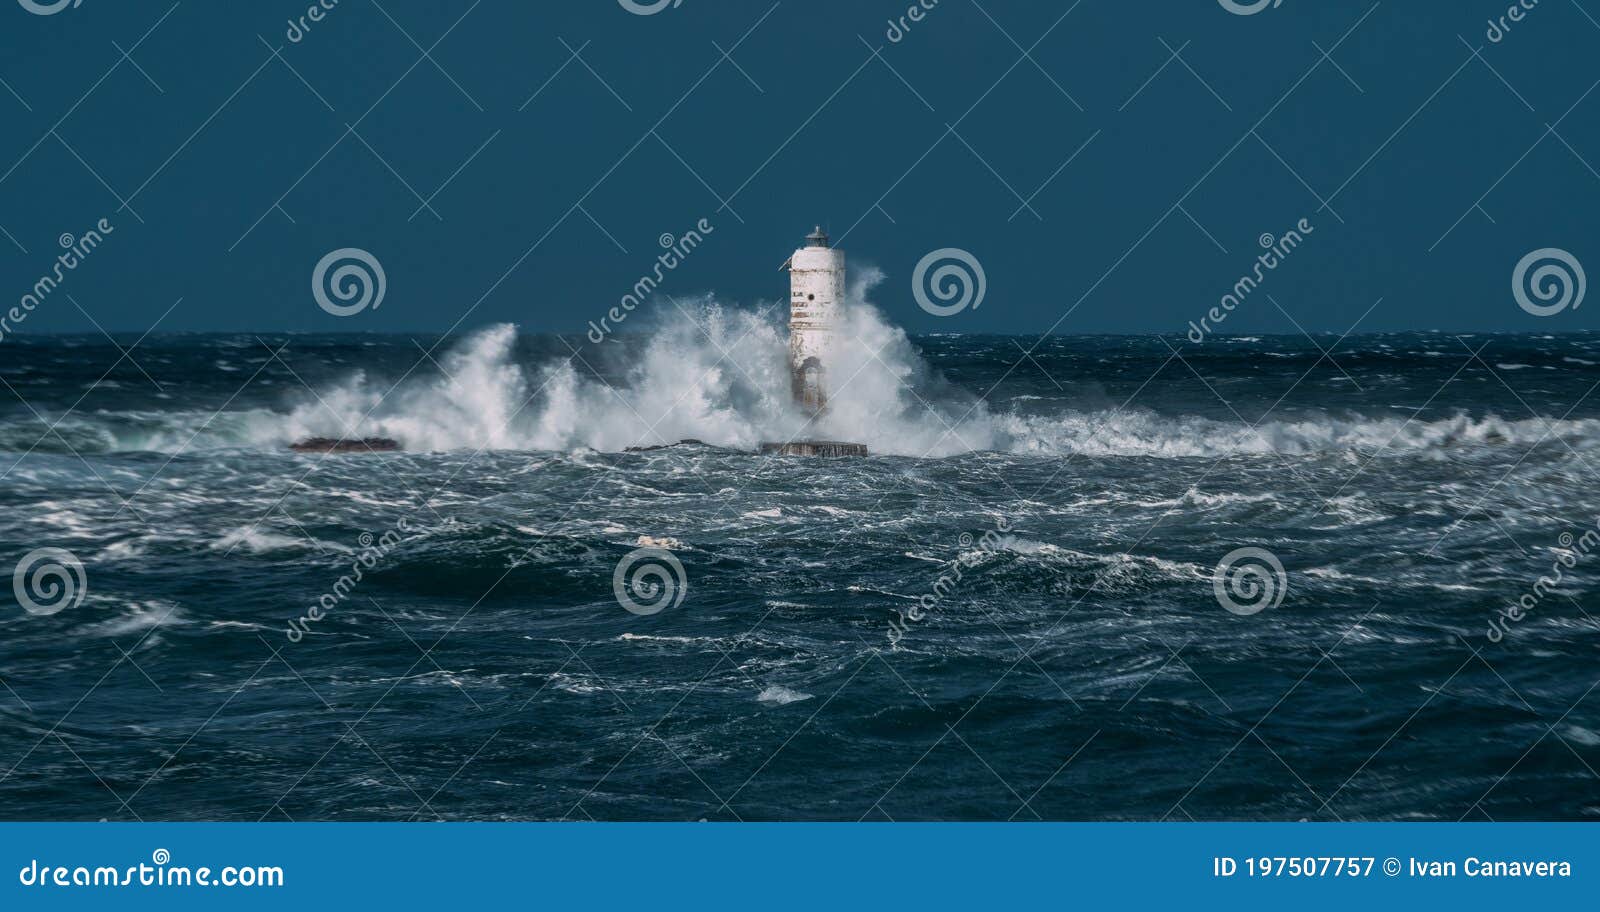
(556, 142)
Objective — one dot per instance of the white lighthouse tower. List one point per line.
(816, 289)
(816, 296)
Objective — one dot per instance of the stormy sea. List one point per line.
(1099, 577)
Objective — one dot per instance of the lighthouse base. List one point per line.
(813, 448)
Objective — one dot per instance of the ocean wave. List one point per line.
(1144, 433)
(781, 696)
(255, 540)
(1124, 433)
(721, 376)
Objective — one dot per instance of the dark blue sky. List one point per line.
(650, 129)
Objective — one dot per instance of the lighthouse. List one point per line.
(816, 289)
(816, 296)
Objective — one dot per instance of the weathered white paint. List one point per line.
(816, 292)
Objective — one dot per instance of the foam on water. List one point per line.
(719, 374)
(1098, 587)
(780, 695)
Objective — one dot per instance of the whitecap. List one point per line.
(1583, 736)
(664, 542)
(140, 616)
(255, 540)
(781, 696)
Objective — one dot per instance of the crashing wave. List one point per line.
(721, 375)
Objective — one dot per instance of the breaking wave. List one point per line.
(1144, 433)
(717, 374)
(720, 375)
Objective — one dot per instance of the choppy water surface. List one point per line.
(1074, 662)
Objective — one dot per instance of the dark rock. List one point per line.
(814, 448)
(687, 441)
(338, 445)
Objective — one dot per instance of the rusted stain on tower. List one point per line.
(816, 289)
(816, 297)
